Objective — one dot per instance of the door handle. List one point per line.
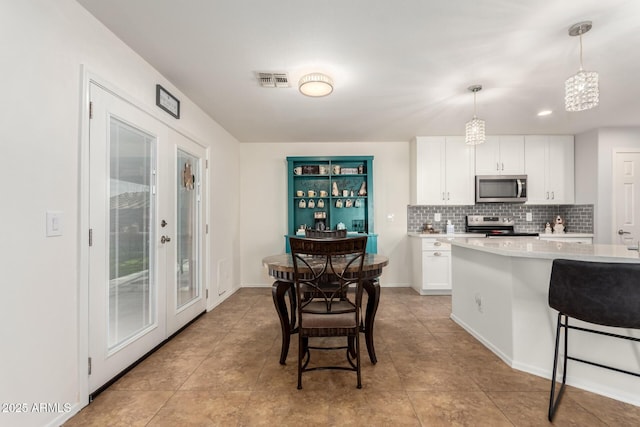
(621, 232)
(165, 239)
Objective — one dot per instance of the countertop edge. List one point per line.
(535, 248)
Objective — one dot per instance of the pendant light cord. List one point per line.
(474, 104)
(581, 68)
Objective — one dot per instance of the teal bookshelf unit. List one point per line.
(333, 192)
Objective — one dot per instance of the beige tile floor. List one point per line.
(223, 370)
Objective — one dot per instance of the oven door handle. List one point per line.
(519, 182)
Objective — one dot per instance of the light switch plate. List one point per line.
(54, 223)
(529, 216)
(437, 217)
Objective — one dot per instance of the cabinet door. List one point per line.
(535, 168)
(430, 174)
(459, 172)
(487, 157)
(560, 176)
(500, 155)
(436, 270)
(511, 155)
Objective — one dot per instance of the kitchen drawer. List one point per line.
(435, 245)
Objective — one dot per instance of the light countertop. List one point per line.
(535, 248)
(441, 235)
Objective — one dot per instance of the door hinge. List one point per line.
(206, 164)
(91, 109)
(91, 237)
(89, 366)
(206, 293)
(206, 227)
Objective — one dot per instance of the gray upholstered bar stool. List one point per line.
(600, 293)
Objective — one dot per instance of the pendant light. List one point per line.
(474, 129)
(581, 91)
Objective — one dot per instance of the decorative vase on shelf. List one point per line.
(363, 189)
(334, 190)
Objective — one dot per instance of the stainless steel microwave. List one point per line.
(501, 188)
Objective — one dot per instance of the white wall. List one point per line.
(44, 45)
(263, 191)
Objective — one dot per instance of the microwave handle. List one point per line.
(519, 182)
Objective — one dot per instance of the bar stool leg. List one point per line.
(553, 405)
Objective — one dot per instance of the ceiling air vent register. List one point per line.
(269, 79)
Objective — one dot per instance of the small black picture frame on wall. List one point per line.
(167, 102)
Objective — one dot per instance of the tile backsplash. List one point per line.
(577, 218)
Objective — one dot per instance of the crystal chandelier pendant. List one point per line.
(474, 134)
(581, 91)
(474, 129)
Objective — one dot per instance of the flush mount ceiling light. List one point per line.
(581, 91)
(474, 133)
(315, 85)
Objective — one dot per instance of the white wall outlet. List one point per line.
(54, 223)
(529, 216)
(437, 217)
(390, 217)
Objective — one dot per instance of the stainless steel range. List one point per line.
(493, 226)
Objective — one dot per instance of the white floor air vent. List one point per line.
(267, 79)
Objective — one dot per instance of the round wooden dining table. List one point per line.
(281, 269)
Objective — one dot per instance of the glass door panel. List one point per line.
(187, 232)
(131, 208)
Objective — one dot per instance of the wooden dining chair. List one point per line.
(333, 311)
(599, 293)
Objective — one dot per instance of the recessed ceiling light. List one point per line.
(545, 113)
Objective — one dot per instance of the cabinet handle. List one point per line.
(553, 195)
(503, 166)
(443, 196)
(497, 166)
(437, 254)
(448, 196)
(547, 195)
(437, 244)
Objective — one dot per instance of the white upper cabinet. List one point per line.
(549, 168)
(501, 155)
(442, 171)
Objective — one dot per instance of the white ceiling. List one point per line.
(401, 67)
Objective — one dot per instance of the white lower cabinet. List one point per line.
(431, 266)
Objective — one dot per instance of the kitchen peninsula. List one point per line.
(500, 296)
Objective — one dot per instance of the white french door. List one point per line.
(186, 210)
(145, 215)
